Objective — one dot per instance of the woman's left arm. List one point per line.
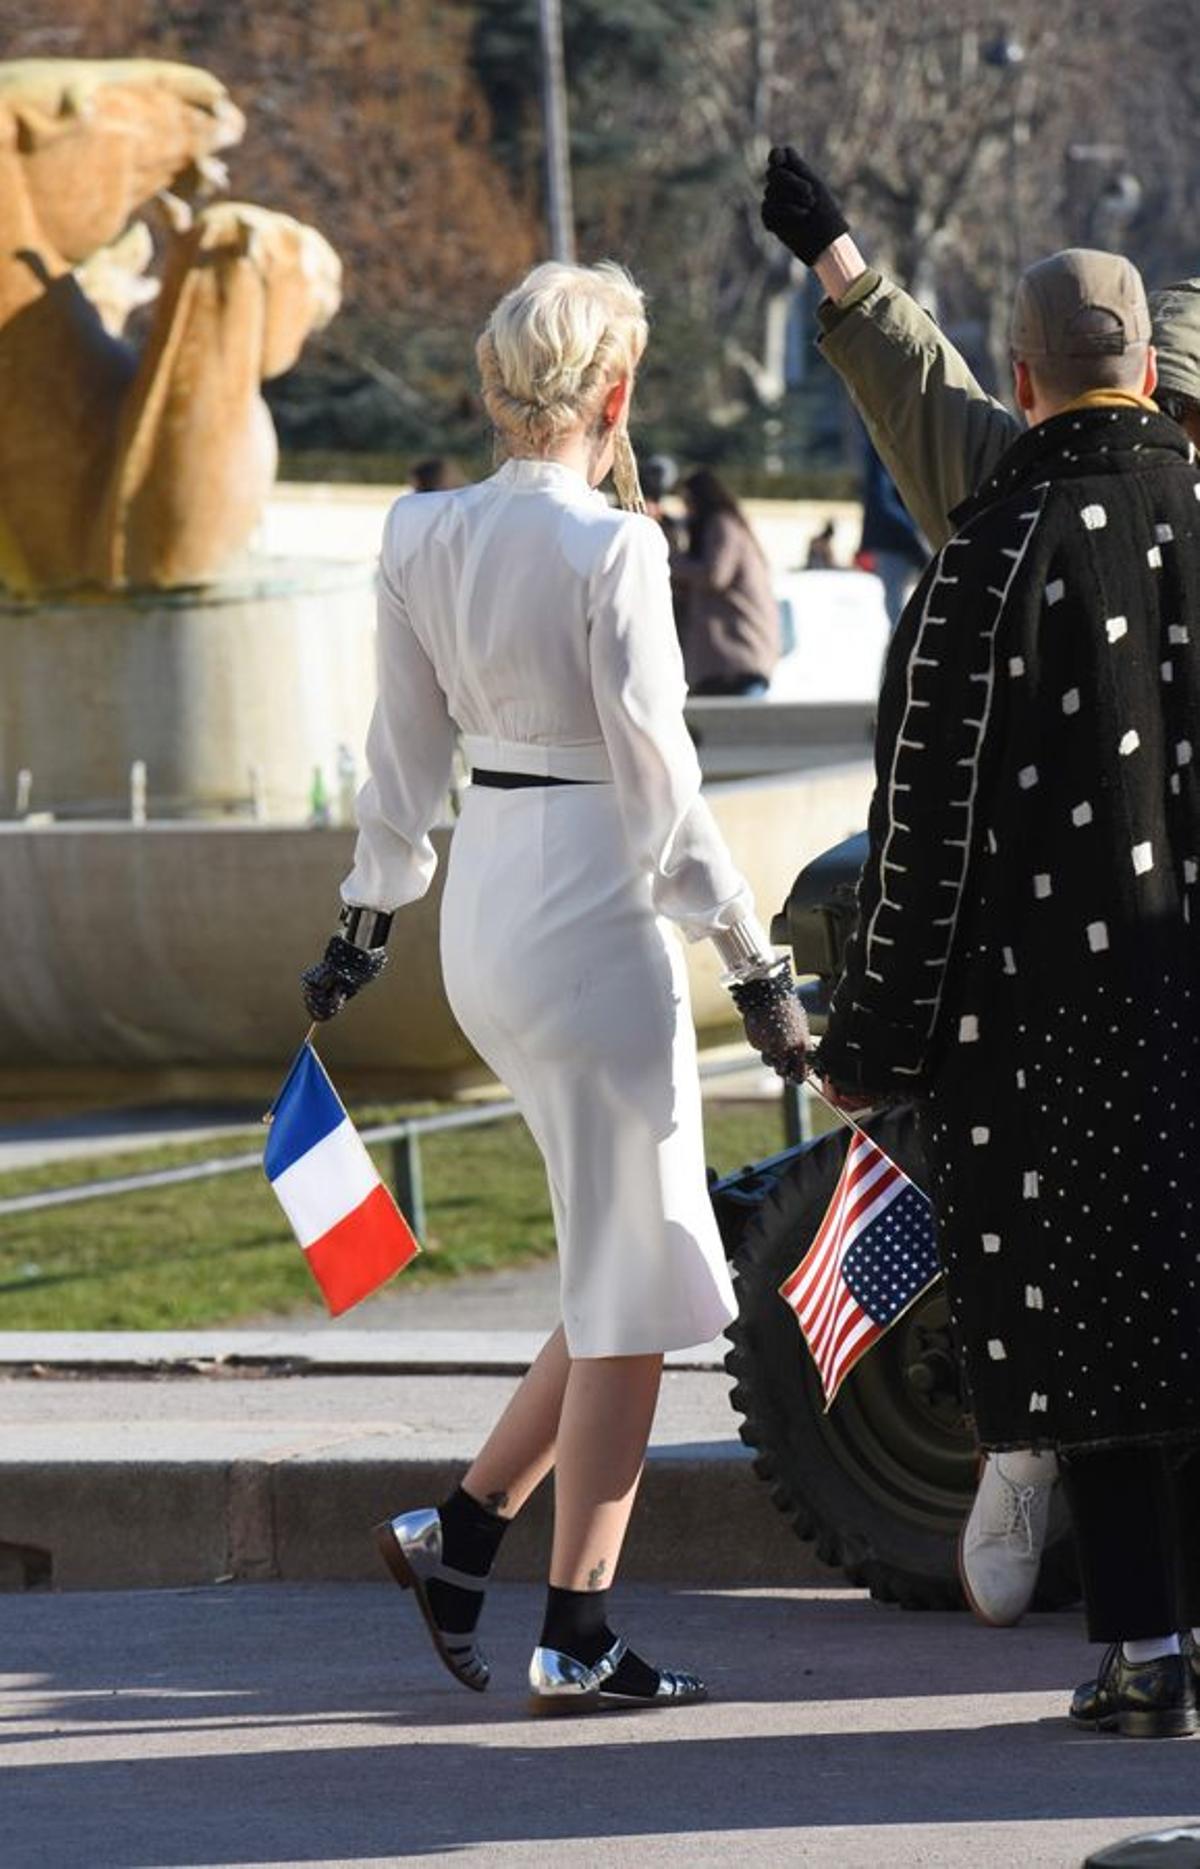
(639, 690)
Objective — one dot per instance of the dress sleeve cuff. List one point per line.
(745, 949)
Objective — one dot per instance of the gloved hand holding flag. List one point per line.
(353, 1234)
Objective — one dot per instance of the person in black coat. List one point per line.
(1027, 963)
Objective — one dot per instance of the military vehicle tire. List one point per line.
(883, 1482)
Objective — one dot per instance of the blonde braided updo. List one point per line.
(552, 349)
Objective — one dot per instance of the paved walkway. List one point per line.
(519, 1298)
(287, 1725)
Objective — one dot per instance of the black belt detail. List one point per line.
(516, 781)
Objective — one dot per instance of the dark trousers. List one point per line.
(747, 685)
(1136, 1512)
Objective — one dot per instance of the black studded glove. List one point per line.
(351, 961)
(775, 1021)
(799, 208)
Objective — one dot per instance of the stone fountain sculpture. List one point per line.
(132, 478)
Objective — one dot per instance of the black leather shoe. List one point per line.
(1139, 1699)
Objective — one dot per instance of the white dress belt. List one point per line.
(586, 760)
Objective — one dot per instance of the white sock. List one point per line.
(1150, 1648)
(1196, 1637)
(1022, 1468)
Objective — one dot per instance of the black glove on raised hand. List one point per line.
(799, 208)
(350, 962)
(775, 1021)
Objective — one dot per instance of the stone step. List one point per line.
(175, 1477)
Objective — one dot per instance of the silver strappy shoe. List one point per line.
(411, 1547)
(559, 1684)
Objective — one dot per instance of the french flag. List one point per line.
(353, 1234)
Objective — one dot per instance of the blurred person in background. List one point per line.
(660, 476)
(435, 475)
(820, 549)
(730, 634)
(891, 546)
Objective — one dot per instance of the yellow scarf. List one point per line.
(1110, 399)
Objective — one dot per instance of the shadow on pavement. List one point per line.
(291, 1724)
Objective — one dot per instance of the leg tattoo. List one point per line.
(597, 1575)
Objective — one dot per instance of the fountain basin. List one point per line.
(163, 960)
(272, 672)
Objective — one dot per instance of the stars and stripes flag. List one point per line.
(353, 1234)
(874, 1255)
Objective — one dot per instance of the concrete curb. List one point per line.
(275, 1466)
(324, 1352)
(703, 1519)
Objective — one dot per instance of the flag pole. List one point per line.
(856, 1127)
(838, 1111)
(268, 1116)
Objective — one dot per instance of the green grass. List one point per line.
(219, 1252)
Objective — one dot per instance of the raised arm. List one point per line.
(937, 431)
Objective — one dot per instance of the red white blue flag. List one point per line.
(353, 1234)
(875, 1253)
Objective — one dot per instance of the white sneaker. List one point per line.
(1000, 1546)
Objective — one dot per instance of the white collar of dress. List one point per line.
(538, 473)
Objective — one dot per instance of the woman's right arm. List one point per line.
(410, 750)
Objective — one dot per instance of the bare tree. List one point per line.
(957, 159)
(946, 137)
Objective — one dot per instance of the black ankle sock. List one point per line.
(471, 1535)
(471, 1532)
(576, 1623)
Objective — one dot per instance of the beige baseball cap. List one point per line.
(1176, 313)
(1079, 303)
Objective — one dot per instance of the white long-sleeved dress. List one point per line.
(537, 621)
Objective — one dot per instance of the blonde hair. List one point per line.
(551, 349)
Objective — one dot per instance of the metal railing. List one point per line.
(404, 1136)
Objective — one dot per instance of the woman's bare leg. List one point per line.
(606, 1415)
(591, 1420)
(520, 1449)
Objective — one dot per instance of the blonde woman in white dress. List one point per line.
(532, 619)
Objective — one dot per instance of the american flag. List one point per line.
(875, 1253)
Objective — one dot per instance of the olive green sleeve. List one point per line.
(938, 433)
